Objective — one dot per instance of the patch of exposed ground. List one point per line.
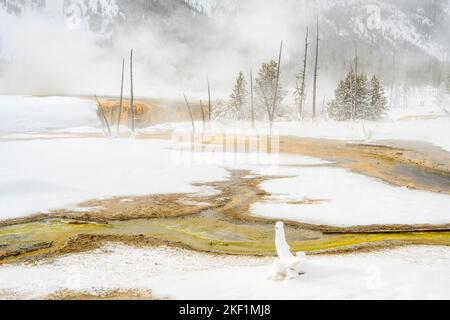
(215, 224)
(148, 112)
(68, 295)
(409, 164)
(144, 207)
(23, 248)
(222, 224)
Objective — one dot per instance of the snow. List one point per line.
(287, 265)
(407, 273)
(60, 173)
(52, 174)
(433, 131)
(430, 126)
(24, 114)
(348, 199)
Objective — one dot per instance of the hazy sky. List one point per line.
(46, 53)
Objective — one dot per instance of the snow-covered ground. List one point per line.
(348, 199)
(38, 175)
(33, 114)
(407, 273)
(27, 114)
(60, 173)
(434, 130)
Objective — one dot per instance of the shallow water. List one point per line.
(438, 180)
(206, 235)
(220, 231)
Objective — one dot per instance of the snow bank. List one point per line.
(432, 128)
(25, 114)
(38, 175)
(348, 199)
(406, 273)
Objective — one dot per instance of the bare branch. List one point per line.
(203, 116)
(121, 97)
(190, 113)
(102, 111)
(277, 84)
(132, 94)
(316, 68)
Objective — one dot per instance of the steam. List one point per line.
(40, 55)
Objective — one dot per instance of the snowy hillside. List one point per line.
(394, 24)
(403, 42)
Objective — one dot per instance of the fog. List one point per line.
(43, 53)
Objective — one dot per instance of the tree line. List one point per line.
(356, 97)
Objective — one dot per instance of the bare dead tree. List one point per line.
(209, 101)
(203, 116)
(252, 102)
(275, 99)
(393, 83)
(102, 114)
(323, 106)
(121, 97)
(190, 113)
(303, 86)
(300, 90)
(131, 111)
(266, 101)
(316, 69)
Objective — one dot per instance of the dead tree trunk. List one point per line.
(131, 112)
(394, 82)
(355, 93)
(266, 102)
(209, 101)
(203, 116)
(303, 86)
(323, 106)
(252, 99)
(275, 98)
(190, 113)
(316, 67)
(103, 116)
(121, 97)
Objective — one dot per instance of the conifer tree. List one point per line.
(369, 98)
(265, 89)
(362, 98)
(378, 100)
(341, 107)
(238, 98)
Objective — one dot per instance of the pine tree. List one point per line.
(362, 98)
(238, 99)
(355, 90)
(378, 100)
(265, 89)
(220, 110)
(341, 107)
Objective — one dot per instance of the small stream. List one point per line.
(219, 230)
